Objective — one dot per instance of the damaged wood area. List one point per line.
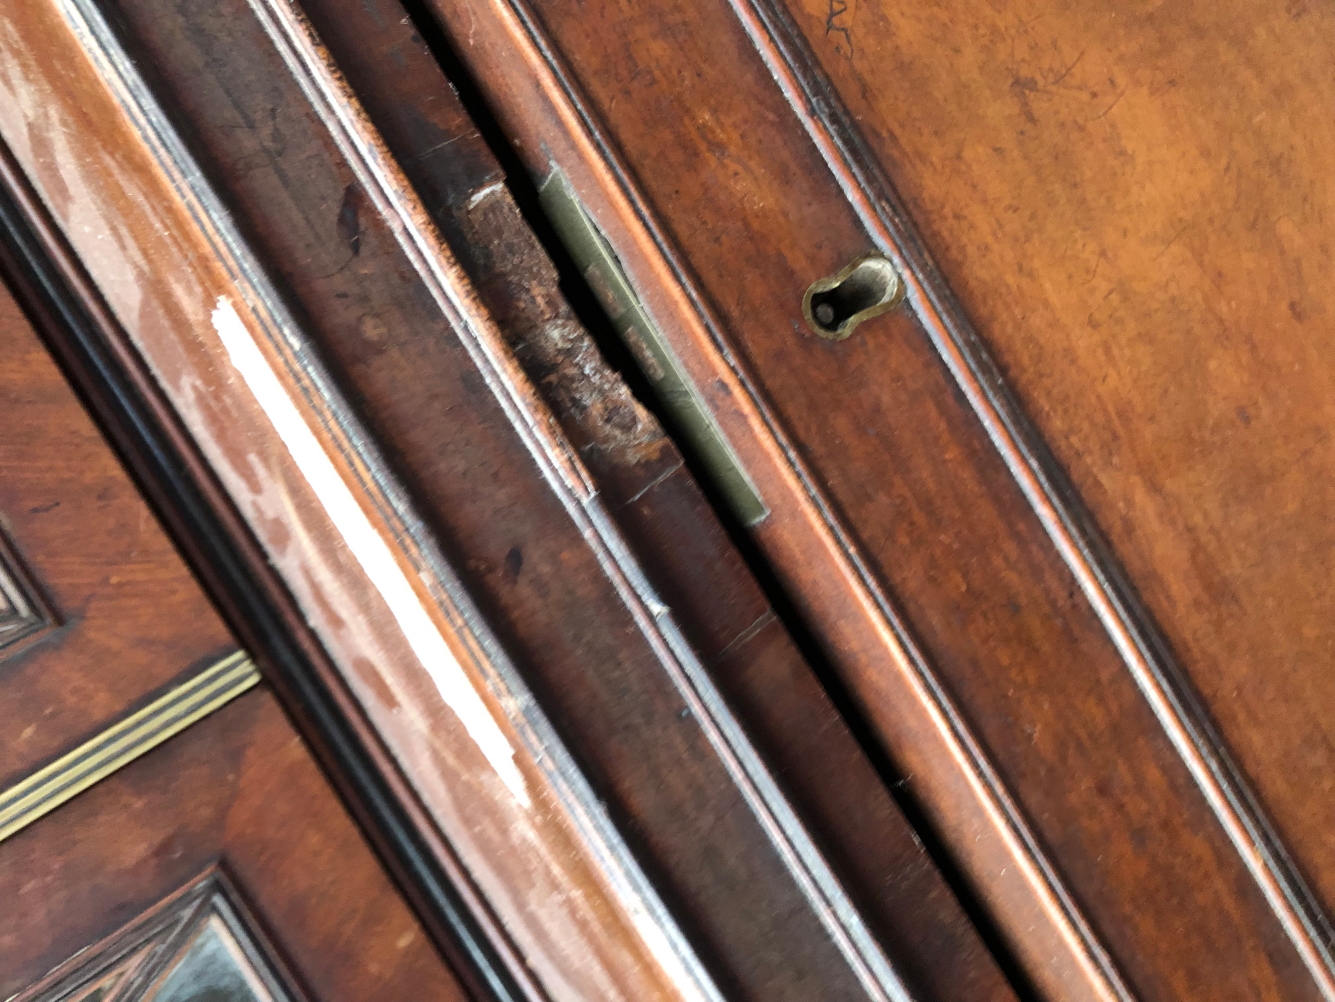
(705, 823)
(694, 569)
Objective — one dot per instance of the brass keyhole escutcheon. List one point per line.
(868, 287)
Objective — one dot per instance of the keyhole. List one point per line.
(866, 288)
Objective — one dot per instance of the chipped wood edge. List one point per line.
(1061, 950)
(393, 197)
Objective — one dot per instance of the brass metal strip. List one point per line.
(596, 260)
(124, 741)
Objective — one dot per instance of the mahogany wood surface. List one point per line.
(1088, 815)
(1091, 645)
(538, 583)
(237, 789)
(1135, 207)
(128, 617)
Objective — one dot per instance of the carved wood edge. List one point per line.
(1057, 940)
(571, 482)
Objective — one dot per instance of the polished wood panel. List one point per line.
(692, 143)
(1134, 207)
(238, 789)
(126, 619)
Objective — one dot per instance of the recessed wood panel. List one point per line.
(125, 616)
(239, 790)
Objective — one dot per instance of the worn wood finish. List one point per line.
(127, 620)
(238, 789)
(1089, 825)
(541, 584)
(673, 533)
(434, 686)
(589, 902)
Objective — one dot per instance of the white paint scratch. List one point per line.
(368, 548)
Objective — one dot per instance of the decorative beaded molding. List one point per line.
(124, 741)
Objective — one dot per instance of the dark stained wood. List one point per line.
(129, 619)
(239, 789)
(695, 126)
(537, 581)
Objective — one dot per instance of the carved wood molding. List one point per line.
(22, 611)
(199, 942)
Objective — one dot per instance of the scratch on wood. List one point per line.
(349, 227)
(837, 9)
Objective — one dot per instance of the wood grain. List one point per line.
(538, 581)
(1169, 236)
(241, 790)
(129, 619)
(1060, 789)
(294, 461)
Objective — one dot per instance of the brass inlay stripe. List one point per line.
(124, 741)
(596, 260)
